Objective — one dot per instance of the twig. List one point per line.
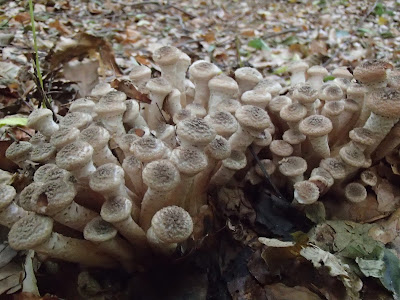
(137, 4)
(275, 34)
(347, 42)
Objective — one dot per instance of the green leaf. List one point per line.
(370, 267)
(379, 9)
(290, 40)
(391, 275)
(258, 44)
(387, 35)
(13, 121)
(364, 30)
(280, 70)
(329, 78)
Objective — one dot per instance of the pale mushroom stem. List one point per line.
(11, 214)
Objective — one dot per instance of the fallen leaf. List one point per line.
(13, 121)
(126, 86)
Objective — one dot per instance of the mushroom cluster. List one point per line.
(131, 176)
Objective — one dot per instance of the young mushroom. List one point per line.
(41, 119)
(247, 78)
(10, 212)
(221, 88)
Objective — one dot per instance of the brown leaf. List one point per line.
(208, 37)
(248, 32)
(129, 89)
(94, 9)
(23, 18)
(60, 27)
(279, 291)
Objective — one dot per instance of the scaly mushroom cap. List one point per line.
(219, 148)
(384, 102)
(268, 165)
(256, 97)
(369, 177)
(64, 136)
(30, 232)
(172, 224)
(203, 70)
(252, 117)
(101, 89)
(116, 209)
(113, 96)
(248, 75)
(49, 172)
(278, 102)
(334, 108)
(37, 138)
(127, 140)
(159, 86)
(268, 85)
(197, 110)
(28, 194)
(148, 148)
(298, 66)
(77, 119)
(372, 71)
(352, 156)
(139, 73)
(356, 92)
(294, 112)
(189, 160)
(224, 123)
(181, 115)
(330, 92)
(264, 139)
(317, 71)
(7, 195)
(292, 166)
(196, 131)
(105, 109)
(74, 156)
(166, 55)
(83, 105)
(98, 230)
(224, 84)
(96, 136)
(161, 175)
(53, 196)
(315, 125)
(342, 73)
(42, 153)
(321, 176)
(305, 94)
(228, 105)
(363, 136)
(306, 192)
(394, 79)
(236, 161)
(281, 148)
(37, 116)
(334, 166)
(18, 151)
(107, 177)
(293, 137)
(355, 192)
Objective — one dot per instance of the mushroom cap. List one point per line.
(355, 192)
(352, 156)
(292, 166)
(53, 196)
(298, 66)
(281, 148)
(317, 71)
(394, 79)
(321, 175)
(363, 136)
(278, 102)
(294, 112)
(125, 142)
(315, 125)
(116, 209)
(37, 116)
(132, 109)
(356, 91)
(264, 139)
(224, 84)
(148, 148)
(37, 138)
(96, 136)
(30, 232)
(334, 166)
(159, 86)
(18, 151)
(342, 73)
(64, 136)
(384, 102)
(140, 72)
(224, 123)
(369, 177)
(268, 85)
(228, 105)
(252, 117)
(333, 108)
(189, 160)
(131, 163)
(343, 83)
(197, 110)
(98, 230)
(293, 137)
(166, 55)
(351, 106)
(172, 224)
(219, 148)
(305, 93)
(181, 115)
(107, 177)
(27, 195)
(236, 161)
(306, 192)
(83, 105)
(196, 131)
(109, 108)
(42, 153)
(114, 96)
(248, 74)
(7, 195)
(202, 70)
(268, 165)
(101, 89)
(76, 119)
(74, 156)
(161, 175)
(50, 172)
(330, 92)
(258, 98)
(372, 71)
